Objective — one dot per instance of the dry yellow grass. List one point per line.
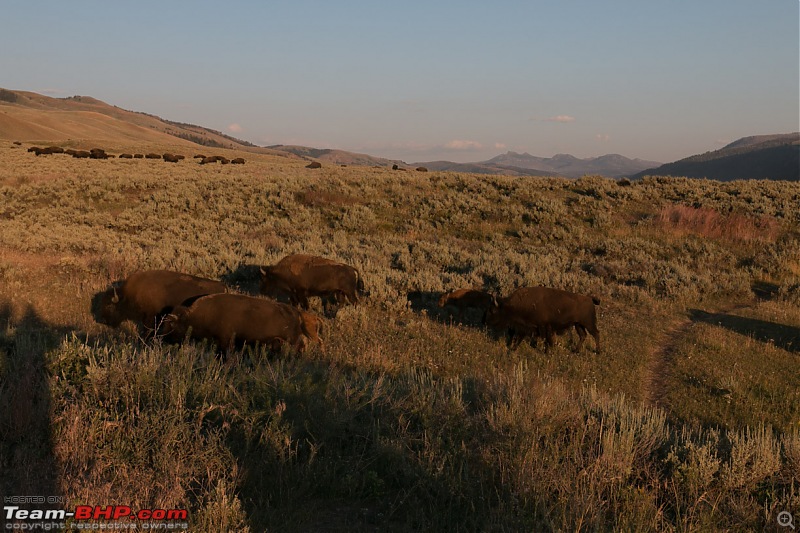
(406, 421)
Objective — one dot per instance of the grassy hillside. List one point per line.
(28, 116)
(688, 420)
(761, 157)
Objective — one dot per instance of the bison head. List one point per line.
(174, 325)
(494, 316)
(444, 299)
(271, 284)
(106, 308)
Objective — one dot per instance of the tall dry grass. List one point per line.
(407, 421)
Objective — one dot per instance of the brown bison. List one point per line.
(126, 156)
(171, 158)
(314, 164)
(214, 159)
(146, 294)
(422, 169)
(46, 151)
(98, 153)
(152, 156)
(542, 311)
(138, 156)
(236, 319)
(237, 161)
(81, 154)
(463, 299)
(300, 276)
(199, 156)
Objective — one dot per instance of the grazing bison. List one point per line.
(171, 158)
(81, 154)
(152, 156)
(314, 164)
(138, 156)
(301, 276)
(236, 319)
(237, 161)
(98, 153)
(542, 311)
(422, 169)
(46, 151)
(463, 299)
(126, 156)
(146, 294)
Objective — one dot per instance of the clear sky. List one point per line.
(422, 80)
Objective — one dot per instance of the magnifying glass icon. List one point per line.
(785, 519)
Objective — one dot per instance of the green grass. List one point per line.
(405, 421)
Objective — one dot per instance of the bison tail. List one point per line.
(596, 300)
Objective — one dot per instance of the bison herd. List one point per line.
(99, 153)
(174, 306)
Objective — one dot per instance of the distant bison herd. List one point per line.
(100, 153)
(175, 306)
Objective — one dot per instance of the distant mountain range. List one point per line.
(513, 163)
(774, 157)
(28, 116)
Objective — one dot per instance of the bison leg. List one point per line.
(513, 339)
(549, 338)
(596, 334)
(581, 337)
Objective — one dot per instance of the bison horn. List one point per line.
(115, 299)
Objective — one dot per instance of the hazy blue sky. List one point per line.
(421, 80)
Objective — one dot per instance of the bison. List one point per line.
(46, 151)
(237, 161)
(235, 320)
(171, 158)
(314, 164)
(214, 159)
(543, 311)
(126, 156)
(301, 276)
(138, 156)
(146, 294)
(463, 299)
(81, 154)
(152, 156)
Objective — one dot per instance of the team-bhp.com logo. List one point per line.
(95, 518)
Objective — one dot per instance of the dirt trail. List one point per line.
(659, 368)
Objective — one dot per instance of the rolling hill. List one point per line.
(759, 157)
(28, 116)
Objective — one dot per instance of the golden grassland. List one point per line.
(689, 418)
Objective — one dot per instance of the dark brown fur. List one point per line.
(146, 294)
(301, 276)
(463, 299)
(236, 319)
(542, 311)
